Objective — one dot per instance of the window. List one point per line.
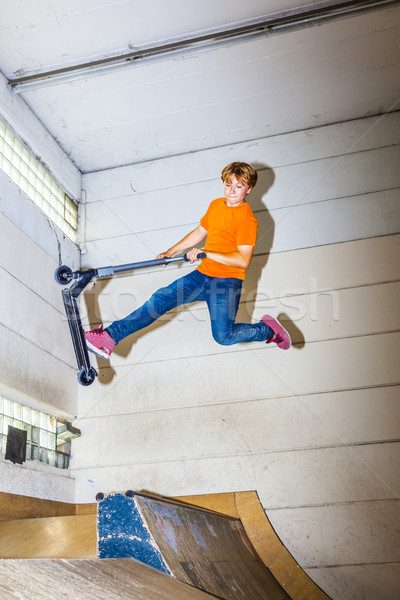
(33, 179)
(46, 439)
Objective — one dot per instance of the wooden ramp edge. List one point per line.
(247, 507)
(15, 506)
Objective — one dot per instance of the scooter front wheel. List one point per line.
(63, 274)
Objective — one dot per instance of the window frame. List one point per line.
(22, 167)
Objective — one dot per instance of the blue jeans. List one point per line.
(222, 296)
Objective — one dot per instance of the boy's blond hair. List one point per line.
(243, 172)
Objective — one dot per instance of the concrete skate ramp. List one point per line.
(111, 579)
(51, 537)
(204, 549)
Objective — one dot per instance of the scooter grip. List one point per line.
(200, 256)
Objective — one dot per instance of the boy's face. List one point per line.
(235, 192)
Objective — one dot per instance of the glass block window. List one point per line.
(33, 179)
(42, 442)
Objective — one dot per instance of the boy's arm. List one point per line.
(241, 258)
(191, 239)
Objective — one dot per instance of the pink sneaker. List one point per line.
(281, 337)
(99, 342)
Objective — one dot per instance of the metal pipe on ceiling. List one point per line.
(275, 24)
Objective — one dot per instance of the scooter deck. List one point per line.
(86, 373)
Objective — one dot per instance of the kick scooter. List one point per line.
(64, 275)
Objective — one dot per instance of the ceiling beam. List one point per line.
(264, 27)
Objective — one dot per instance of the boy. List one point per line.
(231, 230)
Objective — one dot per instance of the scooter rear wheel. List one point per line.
(86, 378)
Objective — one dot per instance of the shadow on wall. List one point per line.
(251, 294)
(266, 178)
(265, 238)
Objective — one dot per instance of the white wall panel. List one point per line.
(37, 480)
(338, 475)
(359, 581)
(264, 427)
(330, 222)
(299, 272)
(342, 176)
(311, 317)
(290, 228)
(337, 266)
(18, 303)
(149, 211)
(367, 527)
(36, 372)
(231, 376)
(133, 247)
(346, 196)
(341, 475)
(316, 181)
(32, 266)
(194, 169)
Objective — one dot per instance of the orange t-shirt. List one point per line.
(227, 228)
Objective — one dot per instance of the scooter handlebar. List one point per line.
(63, 274)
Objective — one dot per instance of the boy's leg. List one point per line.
(223, 297)
(186, 289)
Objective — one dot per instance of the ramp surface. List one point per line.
(51, 537)
(111, 579)
(207, 550)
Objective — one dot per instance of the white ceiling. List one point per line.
(314, 76)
